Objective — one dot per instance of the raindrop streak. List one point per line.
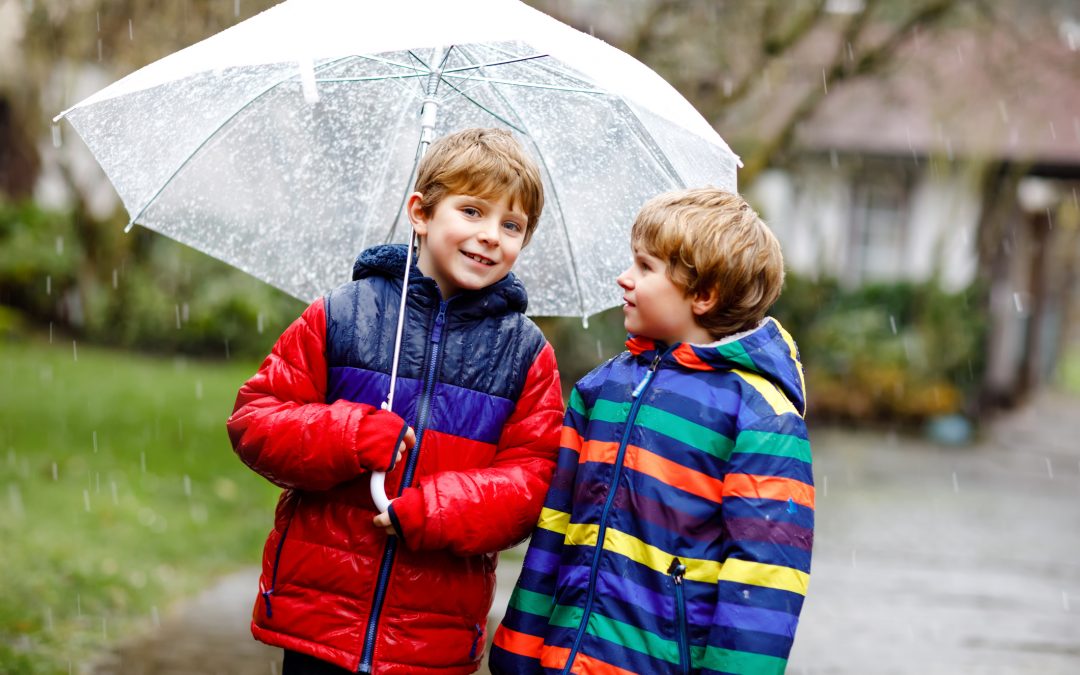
(1065, 601)
(198, 390)
(115, 279)
(1049, 469)
(259, 322)
(142, 461)
(1019, 305)
(187, 485)
(48, 285)
(97, 15)
(94, 435)
(825, 486)
(236, 7)
(75, 351)
(55, 472)
(57, 140)
(585, 323)
(178, 317)
(824, 81)
(50, 333)
(131, 31)
(154, 616)
(955, 483)
(115, 497)
(892, 323)
(599, 351)
(78, 605)
(99, 49)
(86, 500)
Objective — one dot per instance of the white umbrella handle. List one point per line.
(428, 113)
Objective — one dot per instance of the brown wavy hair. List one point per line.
(713, 240)
(485, 163)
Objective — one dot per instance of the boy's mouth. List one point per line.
(479, 258)
(628, 303)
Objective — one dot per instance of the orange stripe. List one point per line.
(553, 657)
(768, 487)
(638, 345)
(570, 438)
(521, 644)
(599, 451)
(686, 355)
(674, 474)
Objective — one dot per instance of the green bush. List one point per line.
(139, 290)
(899, 352)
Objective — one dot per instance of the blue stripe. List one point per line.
(742, 617)
(760, 464)
(769, 509)
(455, 410)
(761, 597)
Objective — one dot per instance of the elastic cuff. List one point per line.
(397, 443)
(395, 522)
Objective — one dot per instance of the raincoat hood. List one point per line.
(506, 295)
(767, 350)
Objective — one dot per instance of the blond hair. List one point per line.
(712, 240)
(484, 163)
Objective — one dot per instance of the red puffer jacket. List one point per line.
(480, 387)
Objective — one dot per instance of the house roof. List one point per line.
(992, 94)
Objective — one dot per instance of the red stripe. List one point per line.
(768, 487)
(521, 644)
(686, 355)
(674, 474)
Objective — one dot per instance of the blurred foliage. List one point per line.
(121, 495)
(902, 352)
(138, 290)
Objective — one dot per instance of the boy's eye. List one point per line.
(470, 211)
(513, 226)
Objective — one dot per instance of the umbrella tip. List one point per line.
(127, 228)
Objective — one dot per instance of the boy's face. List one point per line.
(470, 242)
(654, 307)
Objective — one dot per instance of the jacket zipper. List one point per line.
(424, 410)
(638, 396)
(277, 560)
(677, 570)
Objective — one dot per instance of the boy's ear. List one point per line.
(704, 301)
(415, 208)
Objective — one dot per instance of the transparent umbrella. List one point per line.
(287, 143)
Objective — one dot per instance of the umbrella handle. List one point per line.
(378, 491)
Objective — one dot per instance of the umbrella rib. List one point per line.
(492, 64)
(550, 66)
(537, 85)
(555, 196)
(213, 133)
(472, 100)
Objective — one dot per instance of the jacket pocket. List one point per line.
(277, 559)
(677, 570)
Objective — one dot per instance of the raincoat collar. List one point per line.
(767, 351)
(506, 295)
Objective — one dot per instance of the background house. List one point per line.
(960, 163)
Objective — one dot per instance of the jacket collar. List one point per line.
(388, 261)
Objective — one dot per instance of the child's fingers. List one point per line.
(410, 438)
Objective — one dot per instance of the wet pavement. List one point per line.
(927, 559)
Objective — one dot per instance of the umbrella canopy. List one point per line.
(287, 143)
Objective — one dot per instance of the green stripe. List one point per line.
(735, 352)
(609, 411)
(770, 443)
(685, 431)
(566, 617)
(533, 603)
(625, 635)
(742, 663)
(576, 403)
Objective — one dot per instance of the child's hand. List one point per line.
(406, 444)
(383, 520)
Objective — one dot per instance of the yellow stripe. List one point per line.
(780, 403)
(794, 351)
(635, 549)
(553, 520)
(762, 574)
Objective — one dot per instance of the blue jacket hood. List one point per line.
(767, 351)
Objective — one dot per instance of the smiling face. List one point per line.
(467, 242)
(655, 307)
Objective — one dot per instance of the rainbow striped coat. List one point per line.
(692, 465)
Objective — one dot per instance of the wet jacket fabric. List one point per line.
(691, 465)
(478, 383)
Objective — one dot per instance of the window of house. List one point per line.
(878, 227)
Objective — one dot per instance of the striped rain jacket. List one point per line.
(691, 465)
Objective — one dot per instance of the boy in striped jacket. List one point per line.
(676, 535)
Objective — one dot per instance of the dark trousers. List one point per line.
(296, 663)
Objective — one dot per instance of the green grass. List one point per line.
(119, 494)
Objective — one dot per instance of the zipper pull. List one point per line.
(648, 376)
(436, 333)
(677, 570)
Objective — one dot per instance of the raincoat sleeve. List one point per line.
(768, 521)
(491, 508)
(520, 637)
(284, 430)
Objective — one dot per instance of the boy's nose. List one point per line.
(624, 280)
(488, 232)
